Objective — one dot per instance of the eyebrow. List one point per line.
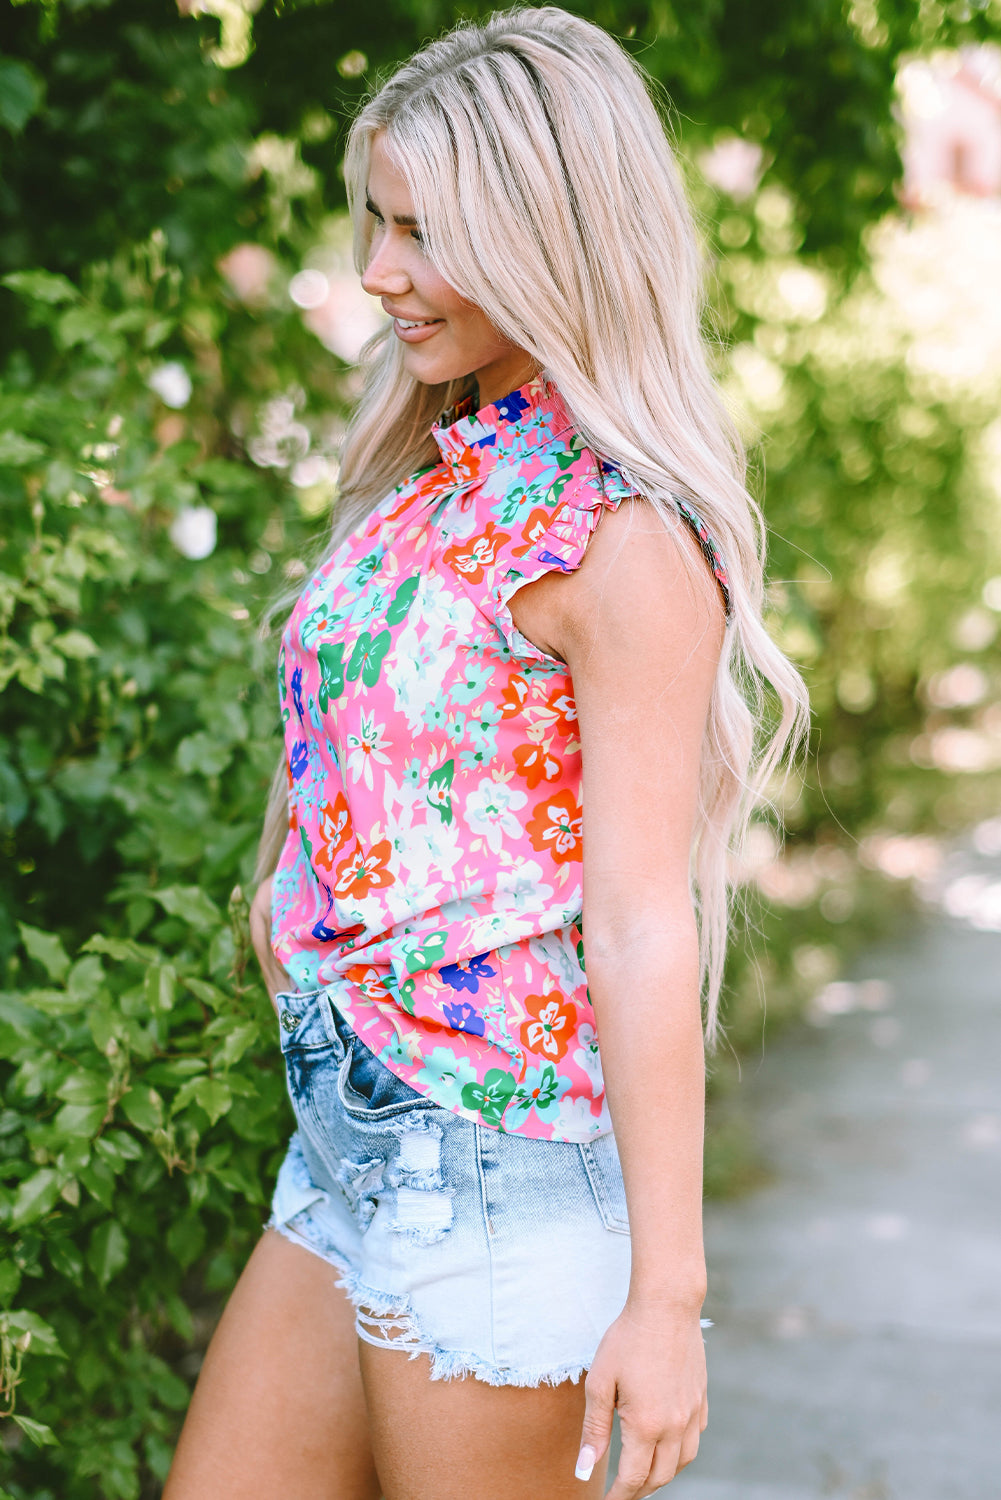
(404, 219)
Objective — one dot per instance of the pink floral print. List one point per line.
(431, 878)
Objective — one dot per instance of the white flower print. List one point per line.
(522, 888)
(588, 1057)
(366, 747)
(575, 1122)
(491, 808)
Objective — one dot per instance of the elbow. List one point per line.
(641, 940)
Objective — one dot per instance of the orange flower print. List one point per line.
(293, 816)
(534, 529)
(512, 699)
(333, 829)
(535, 764)
(474, 557)
(361, 872)
(468, 463)
(551, 1025)
(561, 712)
(556, 827)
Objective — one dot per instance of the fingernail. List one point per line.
(586, 1460)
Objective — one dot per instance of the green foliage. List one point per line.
(142, 1109)
(142, 1099)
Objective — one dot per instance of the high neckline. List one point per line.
(505, 430)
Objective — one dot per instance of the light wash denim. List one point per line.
(498, 1256)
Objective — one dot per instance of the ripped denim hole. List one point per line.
(362, 1181)
(424, 1215)
(418, 1164)
(398, 1329)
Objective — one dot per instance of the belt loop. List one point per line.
(331, 1027)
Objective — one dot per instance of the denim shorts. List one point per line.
(498, 1256)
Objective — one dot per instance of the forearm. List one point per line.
(645, 995)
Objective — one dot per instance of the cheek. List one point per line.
(474, 331)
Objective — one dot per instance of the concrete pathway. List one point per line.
(857, 1298)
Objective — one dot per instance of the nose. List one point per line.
(385, 275)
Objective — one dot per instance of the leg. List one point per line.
(279, 1407)
(453, 1439)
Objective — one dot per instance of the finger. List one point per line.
(689, 1444)
(635, 1463)
(704, 1414)
(596, 1429)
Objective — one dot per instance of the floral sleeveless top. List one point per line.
(431, 879)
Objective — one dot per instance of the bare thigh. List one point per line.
(457, 1439)
(279, 1407)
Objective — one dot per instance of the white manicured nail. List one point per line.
(586, 1460)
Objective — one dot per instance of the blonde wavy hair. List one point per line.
(548, 195)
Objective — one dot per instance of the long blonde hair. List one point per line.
(548, 195)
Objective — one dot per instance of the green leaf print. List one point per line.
(406, 995)
(331, 660)
(281, 671)
(402, 600)
(366, 658)
(491, 1097)
(426, 952)
(307, 847)
(439, 792)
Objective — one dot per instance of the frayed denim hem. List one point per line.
(387, 1322)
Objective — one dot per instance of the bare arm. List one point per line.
(642, 633)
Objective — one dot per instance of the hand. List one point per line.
(275, 977)
(651, 1364)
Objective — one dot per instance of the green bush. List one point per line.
(143, 1104)
(142, 1111)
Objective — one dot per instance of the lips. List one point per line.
(416, 332)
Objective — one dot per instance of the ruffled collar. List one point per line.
(473, 442)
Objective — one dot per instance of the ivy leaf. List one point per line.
(40, 1435)
(161, 985)
(79, 1121)
(210, 1094)
(108, 1250)
(144, 1108)
(35, 1196)
(20, 1321)
(21, 94)
(190, 903)
(46, 949)
(41, 286)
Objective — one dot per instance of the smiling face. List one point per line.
(453, 337)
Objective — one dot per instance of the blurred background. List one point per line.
(178, 324)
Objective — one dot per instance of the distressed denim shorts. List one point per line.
(500, 1257)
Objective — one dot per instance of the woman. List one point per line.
(525, 610)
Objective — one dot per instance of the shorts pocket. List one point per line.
(368, 1090)
(601, 1163)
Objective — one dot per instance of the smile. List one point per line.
(415, 332)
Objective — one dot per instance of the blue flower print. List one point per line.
(297, 691)
(483, 729)
(299, 759)
(512, 406)
(556, 562)
(459, 978)
(474, 684)
(321, 931)
(444, 1076)
(462, 1016)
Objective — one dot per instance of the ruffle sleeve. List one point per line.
(555, 540)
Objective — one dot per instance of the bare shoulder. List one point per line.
(643, 585)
